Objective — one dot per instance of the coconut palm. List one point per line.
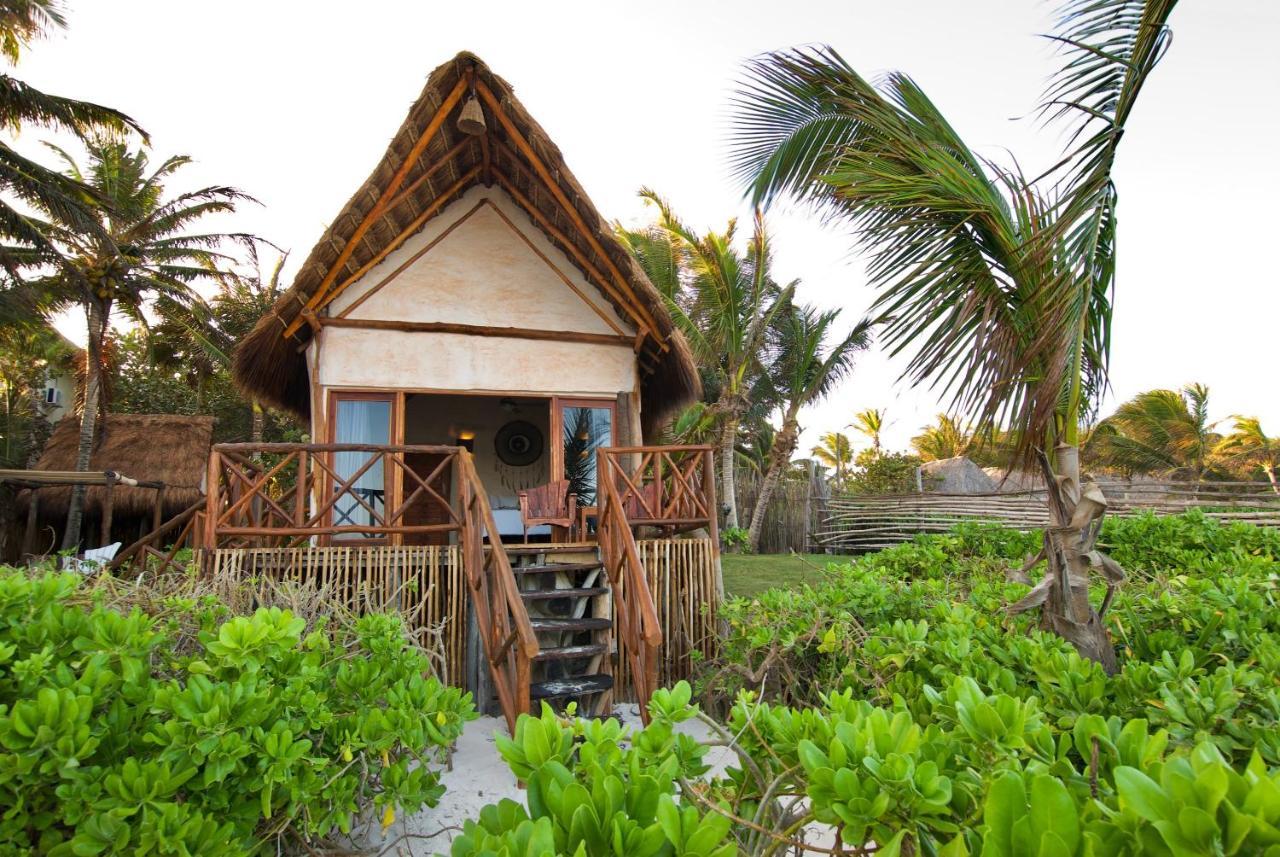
(1159, 431)
(995, 287)
(141, 253)
(944, 439)
(870, 424)
(805, 369)
(835, 452)
(21, 179)
(1248, 448)
(723, 301)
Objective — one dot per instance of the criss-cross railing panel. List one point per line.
(288, 494)
(669, 487)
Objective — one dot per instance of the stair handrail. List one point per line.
(187, 524)
(507, 635)
(639, 631)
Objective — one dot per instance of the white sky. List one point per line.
(294, 103)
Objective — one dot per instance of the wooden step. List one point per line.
(586, 623)
(526, 550)
(576, 686)
(556, 567)
(566, 653)
(551, 594)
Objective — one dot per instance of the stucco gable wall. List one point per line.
(473, 266)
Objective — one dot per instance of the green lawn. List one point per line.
(748, 575)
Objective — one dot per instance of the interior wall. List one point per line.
(442, 419)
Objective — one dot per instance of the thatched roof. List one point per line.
(152, 447)
(956, 475)
(515, 153)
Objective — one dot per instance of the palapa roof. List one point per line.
(430, 163)
(166, 448)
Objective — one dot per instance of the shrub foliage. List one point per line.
(183, 730)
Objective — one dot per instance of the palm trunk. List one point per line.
(783, 446)
(88, 420)
(1271, 475)
(728, 488)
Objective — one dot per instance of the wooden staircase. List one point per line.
(570, 606)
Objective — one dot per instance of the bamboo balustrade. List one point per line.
(873, 522)
(510, 644)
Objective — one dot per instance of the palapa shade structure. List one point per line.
(150, 447)
(430, 163)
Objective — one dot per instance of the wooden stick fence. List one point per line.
(423, 583)
(873, 522)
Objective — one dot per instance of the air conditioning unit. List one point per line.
(52, 395)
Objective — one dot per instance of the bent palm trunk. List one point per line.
(88, 422)
(1070, 547)
(783, 447)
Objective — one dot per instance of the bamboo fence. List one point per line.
(793, 514)
(423, 583)
(872, 522)
(681, 574)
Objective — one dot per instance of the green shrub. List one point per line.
(182, 730)
(1196, 626)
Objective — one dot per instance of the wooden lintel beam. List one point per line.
(318, 298)
(414, 226)
(592, 271)
(479, 330)
(572, 212)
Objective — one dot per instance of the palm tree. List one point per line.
(1248, 448)
(141, 253)
(804, 371)
(723, 302)
(1159, 431)
(835, 452)
(21, 179)
(995, 287)
(870, 424)
(944, 439)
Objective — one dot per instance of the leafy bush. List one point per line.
(595, 789)
(1196, 625)
(880, 472)
(184, 730)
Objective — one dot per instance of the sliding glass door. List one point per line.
(364, 419)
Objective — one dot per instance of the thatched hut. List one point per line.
(158, 448)
(470, 292)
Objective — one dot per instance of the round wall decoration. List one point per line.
(518, 443)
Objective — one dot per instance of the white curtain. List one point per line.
(361, 421)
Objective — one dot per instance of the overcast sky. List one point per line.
(295, 102)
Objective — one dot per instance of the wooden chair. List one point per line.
(549, 504)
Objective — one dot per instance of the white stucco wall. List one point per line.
(482, 273)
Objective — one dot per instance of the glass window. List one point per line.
(585, 429)
(366, 421)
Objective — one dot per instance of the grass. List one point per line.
(749, 574)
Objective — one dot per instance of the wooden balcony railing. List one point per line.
(635, 615)
(158, 549)
(669, 487)
(510, 644)
(284, 494)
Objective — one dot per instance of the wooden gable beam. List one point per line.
(318, 298)
(416, 224)
(543, 173)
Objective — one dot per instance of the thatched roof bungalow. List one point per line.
(166, 448)
(470, 292)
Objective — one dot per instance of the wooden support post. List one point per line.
(212, 497)
(107, 509)
(33, 515)
(157, 513)
(300, 491)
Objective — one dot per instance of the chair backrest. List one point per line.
(643, 505)
(550, 500)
